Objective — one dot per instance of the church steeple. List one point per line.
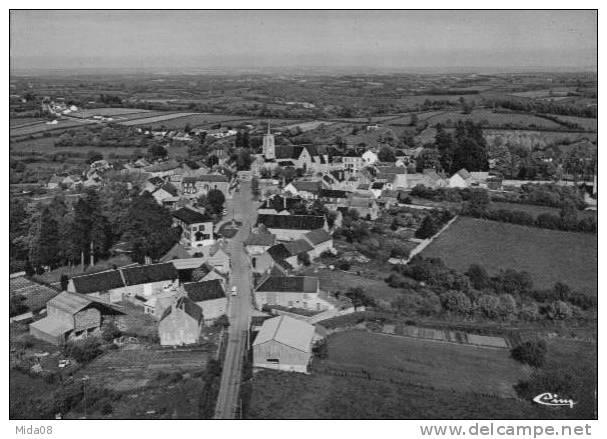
(268, 147)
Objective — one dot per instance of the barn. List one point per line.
(284, 343)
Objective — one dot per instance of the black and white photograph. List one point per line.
(303, 214)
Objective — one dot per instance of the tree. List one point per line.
(386, 154)
(303, 258)
(456, 301)
(478, 277)
(93, 156)
(44, 241)
(470, 149)
(215, 200)
(255, 187)
(359, 298)
(147, 227)
(157, 151)
(64, 281)
(478, 201)
(427, 229)
(429, 158)
(488, 305)
(532, 353)
(211, 161)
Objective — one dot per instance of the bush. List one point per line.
(342, 264)
(83, 351)
(321, 349)
(110, 331)
(532, 353)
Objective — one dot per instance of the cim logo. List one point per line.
(553, 400)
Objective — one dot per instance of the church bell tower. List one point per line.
(269, 148)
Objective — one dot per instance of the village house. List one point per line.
(352, 161)
(307, 190)
(181, 323)
(321, 242)
(157, 304)
(364, 204)
(290, 227)
(71, 316)
(461, 179)
(395, 177)
(210, 296)
(258, 243)
(284, 343)
(292, 292)
(369, 157)
(197, 185)
(162, 169)
(166, 194)
(196, 227)
(137, 283)
(293, 252)
(278, 204)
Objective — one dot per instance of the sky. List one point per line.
(400, 40)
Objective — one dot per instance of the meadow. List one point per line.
(402, 379)
(84, 113)
(549, 256)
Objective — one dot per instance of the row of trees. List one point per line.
(508, 295)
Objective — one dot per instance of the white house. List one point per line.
(292, 292)
(370, 157)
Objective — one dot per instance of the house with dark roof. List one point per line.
(290, 227)
(257, 243)
(292, 252)
(210, 296)
(181, 323)
(291, 292)
(321, 242)
(71, 316)
(196, 227)
(137, 283)
(166, 195)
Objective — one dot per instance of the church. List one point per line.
(306, 157)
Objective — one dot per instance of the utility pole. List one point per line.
(84, 380)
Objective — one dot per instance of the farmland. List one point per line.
(406, 379)
(84, 113)
(44, 127)
(494, 119)
(155, 119)
(549, 256)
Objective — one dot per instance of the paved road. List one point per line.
(240, 307)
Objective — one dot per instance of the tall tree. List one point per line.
(147, 227)
(44, 240)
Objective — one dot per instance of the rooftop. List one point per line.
(190, 216)
(288, 331)
(289, 284)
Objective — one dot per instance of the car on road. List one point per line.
(234, 291)
(63, 363)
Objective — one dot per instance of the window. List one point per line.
(272, 360)
(290, 304)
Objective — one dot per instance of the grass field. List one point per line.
(161, 119)
(461, 368)
(47, 145)
(106, 112)
(585, 122)
(494, 119)
(549, 256)
(408, 379)
(24, 121)
(338, 280)
(43, 127)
